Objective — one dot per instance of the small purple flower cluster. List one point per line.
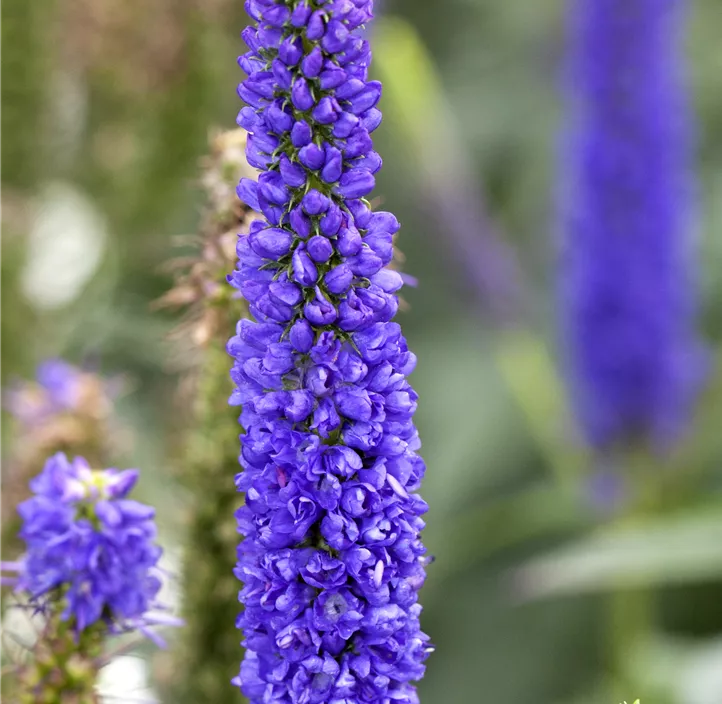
(627, 288)
(59, 387)
(88, 546)
(332, 561)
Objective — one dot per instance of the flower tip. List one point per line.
(123, 482)
(409, 280)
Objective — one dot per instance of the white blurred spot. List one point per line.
(20, 629)
(65, 246)
(701, 682)
(124, 680)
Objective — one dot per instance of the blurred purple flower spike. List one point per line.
(627, 290)
(59, 387)
(59, 383)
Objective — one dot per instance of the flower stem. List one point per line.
(63, 667)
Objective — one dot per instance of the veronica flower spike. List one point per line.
(90, 568)
(332, 560)
(627, 284)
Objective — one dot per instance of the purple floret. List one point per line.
(627, 289)
(332, 561)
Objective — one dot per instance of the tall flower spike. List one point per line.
(626, 287)
(332, 561)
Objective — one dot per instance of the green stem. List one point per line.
(632, 612)
(210, 652)
(63, 667)
(631, 616)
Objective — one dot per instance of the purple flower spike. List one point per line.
(332, 560)
(627, 289)
(86, 540)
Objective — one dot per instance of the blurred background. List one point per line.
(547, 587)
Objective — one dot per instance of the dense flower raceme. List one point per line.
(89, 548)
(626, 284)
(332, 560)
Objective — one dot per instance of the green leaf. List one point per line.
(472, 536)
(678, 549)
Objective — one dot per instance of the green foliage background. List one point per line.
(536, 594)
